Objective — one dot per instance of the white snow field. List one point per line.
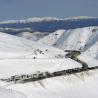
(28, 52)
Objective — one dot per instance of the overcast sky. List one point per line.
(19, 9)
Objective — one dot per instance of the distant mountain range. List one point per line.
(50, 24)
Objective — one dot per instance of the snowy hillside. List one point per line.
(63, 51)
(51, 38)
(17, 47)
(72, 39)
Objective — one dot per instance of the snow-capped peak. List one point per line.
(40, 19)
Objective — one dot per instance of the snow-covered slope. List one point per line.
(81, 39)
(77, 39)
(72, 39)
(52, 37)
(16, 58)
(17, 47)
(19, 55)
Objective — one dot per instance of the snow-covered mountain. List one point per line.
(72, 39)
(40, 45)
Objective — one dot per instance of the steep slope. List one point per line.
(72, 39)
(78, 39)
